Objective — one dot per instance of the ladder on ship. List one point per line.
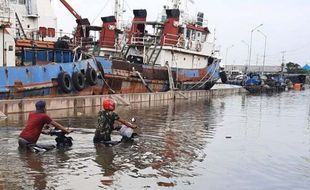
(125, 50)
(170, 77)
(154, 55)
(20, 26)
(171, 84)
(143, 81)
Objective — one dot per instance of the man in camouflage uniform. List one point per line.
(106, 119)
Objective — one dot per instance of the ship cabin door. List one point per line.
(7, 49)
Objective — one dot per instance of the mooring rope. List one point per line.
(202, 80)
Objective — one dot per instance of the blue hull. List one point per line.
(42, 80)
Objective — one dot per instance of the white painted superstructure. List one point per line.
(22, 19)
(7, 49)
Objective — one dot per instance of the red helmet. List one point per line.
(108, 104)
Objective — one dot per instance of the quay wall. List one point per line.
(72, 102)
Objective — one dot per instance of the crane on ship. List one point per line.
(81, 34)
(71, 10)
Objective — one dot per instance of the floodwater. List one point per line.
(237, 142)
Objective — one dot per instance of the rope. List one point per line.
(96, 17)
(202, 80)
(208, 78)
(104, 81)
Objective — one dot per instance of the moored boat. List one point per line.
(178, 55)
(254, 83)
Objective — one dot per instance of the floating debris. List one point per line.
(166, 184)
(107, 180)
(2, 115)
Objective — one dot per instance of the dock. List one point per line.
(73, 102)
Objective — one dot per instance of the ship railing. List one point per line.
(177, 41)
(42, 55)
(4, 21)
(4, 18)
(108, 43)
(170, 40)
(113, 43)
(188, 44)
(144, 41)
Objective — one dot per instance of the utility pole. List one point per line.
(247, 59)
(282, 64)
(257, 57)
(250, 53)
(227, 53)
(264, 60)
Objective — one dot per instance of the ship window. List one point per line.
(193, 35)
(23, 2)
(13, 1)
(188, 34)
(203, 38)
(184, 58)
(198, 36)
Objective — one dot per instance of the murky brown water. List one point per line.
(233, 142)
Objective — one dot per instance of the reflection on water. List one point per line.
(235, 142)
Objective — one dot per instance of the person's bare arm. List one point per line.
(122, 121)
(60, 127)
(46, 130)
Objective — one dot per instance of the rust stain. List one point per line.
(202, 73)
(124, 65)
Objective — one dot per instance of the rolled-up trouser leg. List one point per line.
(23, 143)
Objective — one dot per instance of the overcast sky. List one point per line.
(285, 22)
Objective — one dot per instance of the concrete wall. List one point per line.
(254, 68)
(73, 102)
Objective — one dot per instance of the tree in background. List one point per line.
(294, 68)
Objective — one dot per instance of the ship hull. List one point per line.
(116, 76)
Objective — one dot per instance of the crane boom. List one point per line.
(72, 11)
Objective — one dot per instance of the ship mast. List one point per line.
(118, 12)
(176, 4)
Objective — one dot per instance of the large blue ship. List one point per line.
(37, 61)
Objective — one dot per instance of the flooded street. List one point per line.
(232, 142)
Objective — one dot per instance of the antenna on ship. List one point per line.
(176, 4)
(182, 5)
(118, 12)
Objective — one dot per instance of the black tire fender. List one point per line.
(65, 82)
(91, 76)
(78, 80)
(209, 85)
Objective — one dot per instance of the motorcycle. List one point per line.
(62, 141)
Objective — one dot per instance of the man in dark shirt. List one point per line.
(223, 75)
(106, 120)
(36, 121)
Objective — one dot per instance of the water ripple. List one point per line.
(232, 142)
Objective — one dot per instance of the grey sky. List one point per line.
(285, 22)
